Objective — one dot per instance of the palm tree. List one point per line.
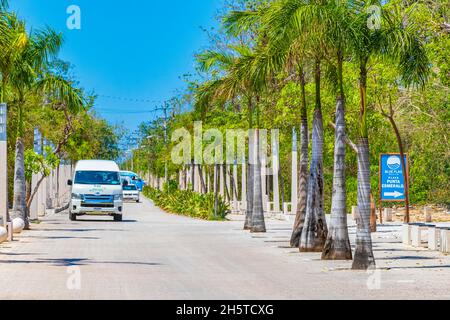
(237, 80)
(23, 61)
(304, 163)
(397, 40)
(292, 21)
(243, 75)
(337, 246)
(280, 51)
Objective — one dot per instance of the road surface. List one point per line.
(155, 255)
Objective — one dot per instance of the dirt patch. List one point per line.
(419, 214)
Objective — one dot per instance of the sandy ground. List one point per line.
(154, 255)
(437, 214)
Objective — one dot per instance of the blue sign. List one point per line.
(392, 179)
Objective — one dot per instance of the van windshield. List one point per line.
(98, 178)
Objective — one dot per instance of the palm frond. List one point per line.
(62, 91)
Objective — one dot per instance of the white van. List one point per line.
(96, 189)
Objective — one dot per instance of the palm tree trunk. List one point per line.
(364, 258)
(315, 230)
(249, 207)
(303, 175)
(258, 223)
(338, 245)
(19, 203)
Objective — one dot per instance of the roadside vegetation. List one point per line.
(188, 203)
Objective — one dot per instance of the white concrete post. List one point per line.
(34, 204)
(41, 197)
(388, 215)
(276, 172)
(416, 236)
(445, 240)
(235, 187)
(244, 185)
(433, 238)
(215, 180)
(208, 180)
(294, 172)
(204, 175)
(180, 180)
(196, 178)
(3, 166)
(264, 182)
(406, 234)
(221, 182)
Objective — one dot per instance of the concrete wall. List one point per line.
(53, 192)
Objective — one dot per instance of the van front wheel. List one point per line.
(72, 216)
(118, 217)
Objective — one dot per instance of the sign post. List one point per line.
(3, 166)
(394, 182)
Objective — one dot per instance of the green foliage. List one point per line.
(188, 203)
(36, 163)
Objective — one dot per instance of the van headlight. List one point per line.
(118, 197)
(77, 196)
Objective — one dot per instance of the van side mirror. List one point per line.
(69, 182)
(125, 183)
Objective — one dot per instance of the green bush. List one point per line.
(188, 203)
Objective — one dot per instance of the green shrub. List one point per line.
(188, 203)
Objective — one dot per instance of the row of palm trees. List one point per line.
(25, 58)
(298, 39)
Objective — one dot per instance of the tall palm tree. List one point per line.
(289, 21)
(25, 60)
(280, 52)
(339, 29)
(397, 40)
(236, 80)
(244, 75)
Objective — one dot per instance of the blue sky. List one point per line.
(136, 49)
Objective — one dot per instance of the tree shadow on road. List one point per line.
(79, 230)
(70, 262)
(62, 238)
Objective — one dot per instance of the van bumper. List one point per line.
(76, 207)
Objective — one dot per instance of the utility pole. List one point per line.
(166, 172)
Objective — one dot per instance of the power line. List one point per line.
(124, 112)
(129, 99)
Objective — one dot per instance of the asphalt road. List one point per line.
(154, 255)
